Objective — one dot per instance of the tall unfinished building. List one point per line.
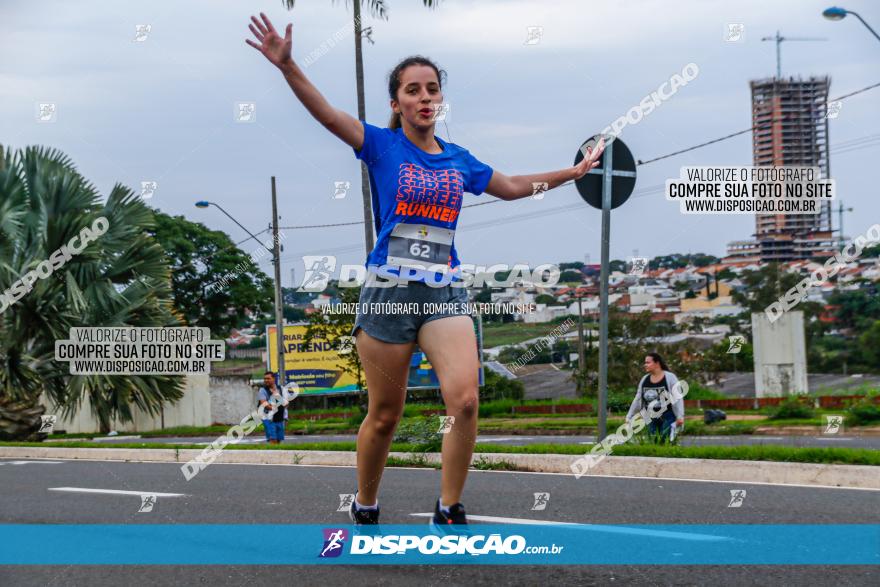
(790, 128)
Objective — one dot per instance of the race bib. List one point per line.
(420, 246)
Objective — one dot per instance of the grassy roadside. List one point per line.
(834, 455)
(525, 424)
(516, 333)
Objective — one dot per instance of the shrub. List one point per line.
(698, 391)
(496, 387)
(792, 409)
(501, 407)
(618, 401)
(357, 418)
(421, 431)
(862, 413)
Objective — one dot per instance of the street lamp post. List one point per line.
(205, 204)
(837, 13)
(276, 262)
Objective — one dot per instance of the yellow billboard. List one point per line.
(318, 369)
(315, 367)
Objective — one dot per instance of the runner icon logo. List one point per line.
(345, 500)
(334, 540)
(541, 501)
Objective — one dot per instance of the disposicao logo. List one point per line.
(334, 540)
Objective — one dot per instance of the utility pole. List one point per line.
(362, 115)
(840, 211)
(596, 189)
(279, 297)
(607, 172)
(581, 358)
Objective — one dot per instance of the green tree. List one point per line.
(332, 326)
(497, 387)
(855, 309)
(214, 283)
(576, 265)
(717, 359)
(292, 314)
(617, 265)
(631, 338)
(726, 274)
(545, 299)
(869, 344)
(119, 279)
(571, 277)
(484, 296)
(764, 286)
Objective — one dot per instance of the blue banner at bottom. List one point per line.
(492, 544)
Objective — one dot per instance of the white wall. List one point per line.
(780, 355)
(193, 409)
(232, 398)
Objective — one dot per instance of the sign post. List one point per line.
(606, 187)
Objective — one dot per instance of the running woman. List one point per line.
(658, 381)
(417, 182)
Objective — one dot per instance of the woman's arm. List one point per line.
(277, 50)
(636, 406)
(678, 397)
(522, 186)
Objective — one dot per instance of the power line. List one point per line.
(489, 223)
(361, 221)
(730, 136)
(843, 147)
(232, 246)
(320, 225)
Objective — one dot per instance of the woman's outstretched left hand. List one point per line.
(590, 160)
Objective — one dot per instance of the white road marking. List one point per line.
(687, 480)
(594, 527)
(477, 471)
(115, 491)
(242, 441)
(29, 462)
(503, 438)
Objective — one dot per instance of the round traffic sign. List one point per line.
(623, 173)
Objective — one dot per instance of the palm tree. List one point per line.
(377, 8)
(119, 279)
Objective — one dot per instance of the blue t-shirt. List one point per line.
(417, 197)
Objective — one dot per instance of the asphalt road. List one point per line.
(830, 440)
(255, 494)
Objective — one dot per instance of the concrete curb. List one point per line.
(811, 474)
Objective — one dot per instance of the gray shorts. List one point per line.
(395, 314)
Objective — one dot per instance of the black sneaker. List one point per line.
(451, 522)
(360, 517)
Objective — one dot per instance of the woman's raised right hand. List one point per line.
(275, 48)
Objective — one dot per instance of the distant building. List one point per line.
(790, 128)
(703, 307)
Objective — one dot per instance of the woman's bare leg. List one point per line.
(451, 346)
(386, 369)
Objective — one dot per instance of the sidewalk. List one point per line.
(808, 474)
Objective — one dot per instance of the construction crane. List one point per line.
(778, 38)
(840, 211)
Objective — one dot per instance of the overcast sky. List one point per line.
(162, 109)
